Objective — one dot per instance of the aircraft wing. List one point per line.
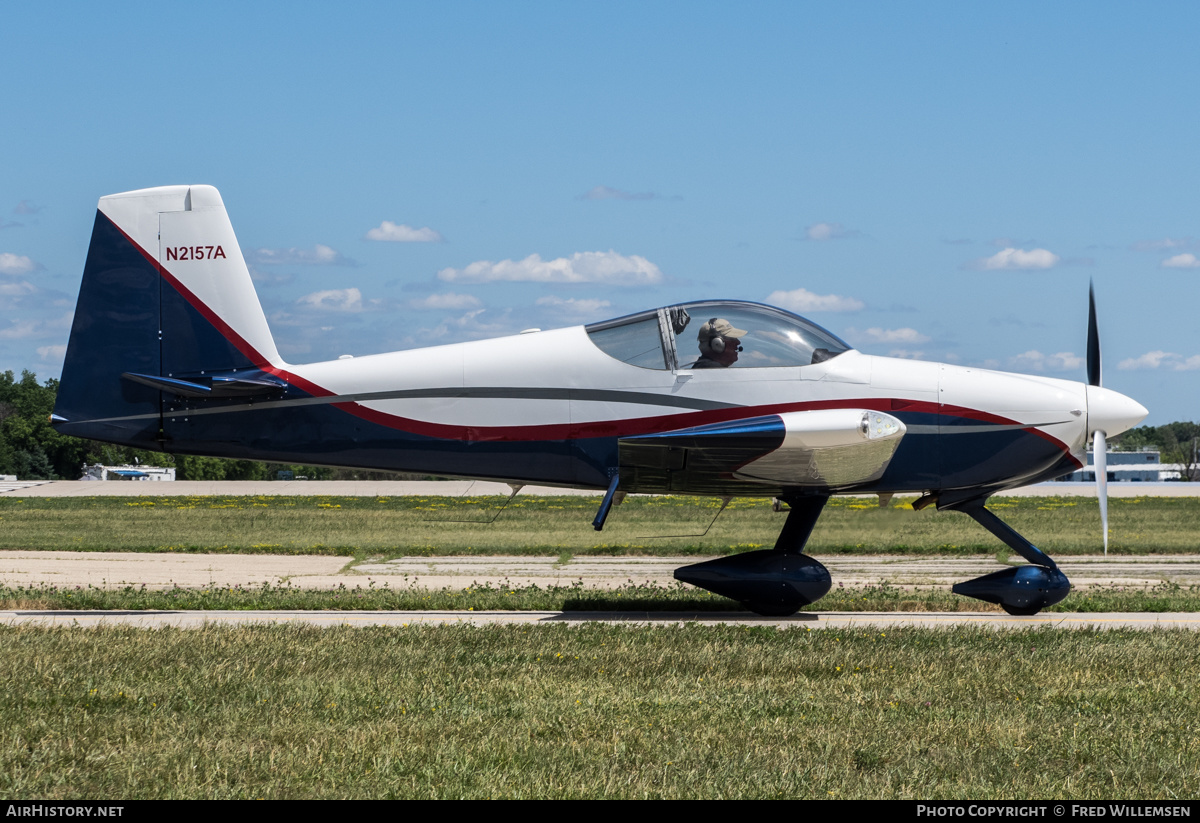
(826, 448)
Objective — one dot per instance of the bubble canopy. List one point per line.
(671, 337)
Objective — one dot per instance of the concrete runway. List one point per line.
(162, 571)
(457, 488)
(116, 569)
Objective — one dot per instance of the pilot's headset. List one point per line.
(714, 339)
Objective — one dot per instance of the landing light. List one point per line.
(876, 425)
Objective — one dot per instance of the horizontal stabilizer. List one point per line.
(211, 386)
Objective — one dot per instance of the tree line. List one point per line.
(1177, 443)
(31, 449)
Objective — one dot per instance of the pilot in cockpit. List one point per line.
(720, 343)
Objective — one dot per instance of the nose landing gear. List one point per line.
(1021, 590)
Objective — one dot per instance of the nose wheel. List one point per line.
(1020, 590)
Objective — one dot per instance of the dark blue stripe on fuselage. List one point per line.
(323, 434)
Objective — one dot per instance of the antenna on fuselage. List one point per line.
(516, 487)
(724, 502)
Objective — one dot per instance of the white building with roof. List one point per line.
(141, 473)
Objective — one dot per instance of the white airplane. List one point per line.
(170, 350)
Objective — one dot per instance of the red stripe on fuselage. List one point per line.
(669, 422)
(568, 431)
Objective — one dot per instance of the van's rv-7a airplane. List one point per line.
(170, 350)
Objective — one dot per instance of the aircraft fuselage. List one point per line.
(481, 410)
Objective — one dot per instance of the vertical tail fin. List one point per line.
(166, 294)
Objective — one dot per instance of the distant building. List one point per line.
(98, 472)
(1143, 465)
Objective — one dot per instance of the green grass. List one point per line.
(1166, 597)
(598, 711)
(560, 526)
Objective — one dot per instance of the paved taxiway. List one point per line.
(163, 571)
(117, 569)
(458, 488)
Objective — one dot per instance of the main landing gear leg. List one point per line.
(1020, 589)
(775, 582)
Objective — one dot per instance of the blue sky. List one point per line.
(936, 180)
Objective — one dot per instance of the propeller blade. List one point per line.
(1100, 459)
(1093, 341)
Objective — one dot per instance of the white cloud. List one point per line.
(17, 289)
(1161, 360)
(802, 301)
(349, 300)
(390, 232)
(449, 300)
(1034, 360)
(473, 325)
(1164, 244)
(1182, 261)
(292, 349)
(581, 267)
(878, 335)
(1149, 360)
(16, 264)
(52, 353)
(828, 231)
(1012, 258)
(26, 207)
(270, 278)
(906, 354)
(609, 193)
(19, 330)
(318, 255)
(574, 306)
(1006, 242)
(26, 328)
